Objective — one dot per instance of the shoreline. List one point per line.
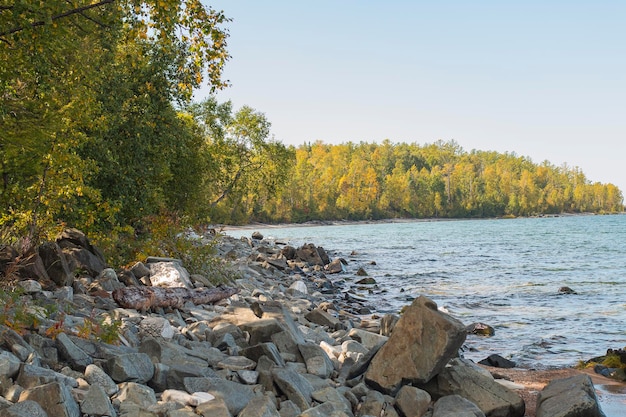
(314, 223)
(611, 393)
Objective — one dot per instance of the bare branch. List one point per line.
(59, 16)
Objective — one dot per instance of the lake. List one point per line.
(502, 272)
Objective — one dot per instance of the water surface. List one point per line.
(505, 272)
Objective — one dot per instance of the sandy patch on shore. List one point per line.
(611, 393)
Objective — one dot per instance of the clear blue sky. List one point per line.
(544, 79)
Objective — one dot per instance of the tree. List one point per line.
(244, 165)
(62, 120)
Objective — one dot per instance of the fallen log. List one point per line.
(142, 298)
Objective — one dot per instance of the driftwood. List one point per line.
(142, 298)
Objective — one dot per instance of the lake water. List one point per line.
(505, 273)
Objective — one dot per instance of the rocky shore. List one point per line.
(288, 337)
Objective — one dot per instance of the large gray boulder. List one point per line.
(423, 341)
(569, 397)
(294, 386)
(468, 380)
(235, 396)
(132, 367)
(55, 398)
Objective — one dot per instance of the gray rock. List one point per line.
(235, 395)
(156, 327)
(478, 386)
(95, 375)
(45, 348)
(132, 392)
(377, 404)
(367, 339)
(174, 375)
(569, 397)
(261, 330)
(456, 406)
(30, 286)
(260, 406)
(107, 280)
(221, 330)
(74, 355)
(131, 367)
(323, 318)
(27, 408)
(289, 409)
(248, 377)
(31, 376)
(140, 270)
(329, 395)
(412, 401)
(316, 360)
(55, 263)
(287, 344)
(97, 403)
(264, 349)
(423, 341)
(294, 386)
(237, 363)
(55, 398)
(9, 364)
(387, 323)
(214, 408)
(99, 350)
(169, 274)
(326, 410)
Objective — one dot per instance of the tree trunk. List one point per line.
(142, 298)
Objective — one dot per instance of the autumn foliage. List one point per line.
(98, 130)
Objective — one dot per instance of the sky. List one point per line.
(543, 79)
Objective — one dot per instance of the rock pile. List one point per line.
(287, 339)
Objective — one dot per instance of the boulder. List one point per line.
(312, 255)
(236, 396)
(261, 330)
(316, 360)
(456, 406)
(294, 386)
(412, 401)
(169, 275)
(74, 355)
(476, 384)
(80, 254)
(423, 341)
(261, 406)
(131, 392)
(96, 376)
(27, 408)
(131, 367)
(377, 404)
(569, 397)
(55, 398)
(480, 329)
(323, 318)
(97, 403)
(56, 264)
(497, 361)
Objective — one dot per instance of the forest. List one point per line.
(100, 131)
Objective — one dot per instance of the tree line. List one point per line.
(99, 130)
(400, 180)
